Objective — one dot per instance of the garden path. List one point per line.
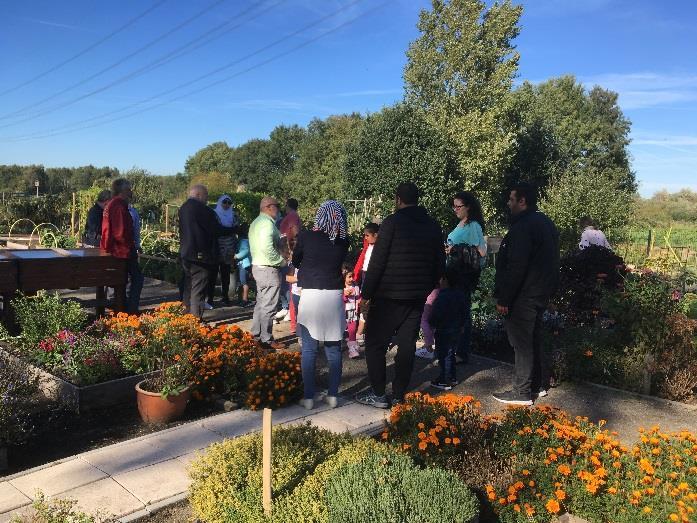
(133, 478)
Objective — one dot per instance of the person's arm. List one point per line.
(585, 242)
(243, 251)
(378, 258)
(437, 312)
(518, 252)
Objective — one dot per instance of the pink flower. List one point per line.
(676, 296)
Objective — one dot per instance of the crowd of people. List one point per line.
(409, 278)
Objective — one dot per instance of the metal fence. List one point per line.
(672, 248)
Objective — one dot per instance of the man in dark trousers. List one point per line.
(118, 238)
(199, 230)
(527, 275)
(405, 266)
(93, 227)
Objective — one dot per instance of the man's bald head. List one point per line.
(199, 192)
(269, 206)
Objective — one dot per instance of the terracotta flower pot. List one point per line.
(154, 409)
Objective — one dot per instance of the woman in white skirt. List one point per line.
(319, 255)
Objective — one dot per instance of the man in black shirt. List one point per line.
(199, 230)
(93, 228)
(405, 266)
(527, 275)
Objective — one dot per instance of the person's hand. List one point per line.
(348, 291)
(501, 309)
(448, 249)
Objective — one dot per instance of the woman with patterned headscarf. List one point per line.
(319, 255)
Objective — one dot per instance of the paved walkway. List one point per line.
(133, 478)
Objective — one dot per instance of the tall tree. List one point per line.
(460, 70)
(216, 157)
(396, 145)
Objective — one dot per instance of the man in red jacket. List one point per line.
(118, 238)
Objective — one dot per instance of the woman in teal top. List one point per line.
(470, 231)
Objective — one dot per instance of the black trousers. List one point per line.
(524, 330)
(224, 281)
(387, 318)
(196, 276)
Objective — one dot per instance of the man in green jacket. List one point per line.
(265, 246)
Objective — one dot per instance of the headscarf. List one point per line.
(227, 217)
(331, 220)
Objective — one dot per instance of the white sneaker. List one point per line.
(361, 340)
(285, 318)
(280, 314)
(541, 394)
(332, 401)
(309, 404)
(207, 306)
(424, 353)
(353, 353)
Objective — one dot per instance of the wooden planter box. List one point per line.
(82, 398)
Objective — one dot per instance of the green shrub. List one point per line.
(56, 511)
(387, 489)
(227, 479)
(45, 314)
(17, 387)
(308, 502)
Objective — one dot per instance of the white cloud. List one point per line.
(665, 140)
(646, 89)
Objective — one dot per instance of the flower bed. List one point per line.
(171, 349)
(531, 464)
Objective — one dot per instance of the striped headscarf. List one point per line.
(331, 220)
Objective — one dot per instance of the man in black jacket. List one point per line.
(406, 265)
(93, 228)
(199, 230)
(527, 274)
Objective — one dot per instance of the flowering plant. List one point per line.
(273, 380)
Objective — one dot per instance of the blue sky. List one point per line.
(644, 49)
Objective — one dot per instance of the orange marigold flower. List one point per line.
(561, 495)
(564, 470)
(552, 506)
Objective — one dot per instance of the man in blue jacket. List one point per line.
(527, 275)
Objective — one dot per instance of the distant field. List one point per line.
(679, 241)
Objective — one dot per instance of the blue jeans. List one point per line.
(463, 344)
(285, 289)
(136, 279)
(446, 345)
(332, 349)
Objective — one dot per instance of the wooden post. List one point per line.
(166, 218)
(266, 462)
(72, 217)
(649, 243)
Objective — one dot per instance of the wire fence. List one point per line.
(668, 248)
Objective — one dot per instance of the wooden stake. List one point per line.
(166, 218)
(266, 462)
(72, 217)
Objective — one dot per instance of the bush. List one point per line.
(227, 479)
(56, 511)
(273, 380)
(308, 501)
(17, 386)
(46, 314)
(386, 488)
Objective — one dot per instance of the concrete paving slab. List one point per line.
(122, 457)
(186, 459)
(235, 423)
(59, 478)
(156, 482)
(104, 497)
(11, 498)
(326, 420)
(26, 512)
(359, 415)
(184, 439)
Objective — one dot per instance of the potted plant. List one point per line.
(160, 345)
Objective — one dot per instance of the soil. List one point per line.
(178, 513)
(60, 433)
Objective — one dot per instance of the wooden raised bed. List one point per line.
(81, 398)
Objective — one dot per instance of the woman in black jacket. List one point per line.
(319, 255)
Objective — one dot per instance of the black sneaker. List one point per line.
(373, 400)
(513, 398)
(442, 385)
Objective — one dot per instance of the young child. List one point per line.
(243, 260)
(370, 236)
(352, 299)
(447, 319)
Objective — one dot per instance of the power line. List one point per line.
(205, 38)
(104, 70)
(60, 130)
(85, 50)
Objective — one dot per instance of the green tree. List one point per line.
(216, 157)
(460, 70)
(318, 172)
(398, 144)
(148, 194)
(251, 166)
(588, 192)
